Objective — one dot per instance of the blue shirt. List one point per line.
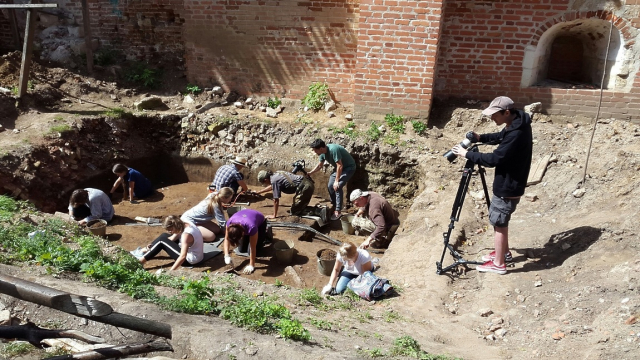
(142, 186)
(227, 176)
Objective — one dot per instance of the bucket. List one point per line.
(284, 251)
(97, 227)
(234, 209)
(347, 228)
(326, 261)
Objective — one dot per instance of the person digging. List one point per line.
(288, 183)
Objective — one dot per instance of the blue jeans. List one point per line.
(337, 196)
(343, 280)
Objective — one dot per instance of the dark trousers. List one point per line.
(303, 195)
(162, 242)
(262, 236)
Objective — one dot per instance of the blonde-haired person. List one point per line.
(208, 209)
(188, 251)
(355, 261)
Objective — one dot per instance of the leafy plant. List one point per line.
(292, 329)
(374, 133)
(320, 324)
(16, 348)
(372, 353)
(309, 297)
(278, 283)
(419, 127)
(391, 139)
(274, 103)
(408, 346)
(304, 119)
(349, 129)
(15, 90)
(316, 97)
(193, 89)
(105, 57)
(395, 123)
(142, 75)
(391, 316)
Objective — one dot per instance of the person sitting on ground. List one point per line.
(356, 262)
(381, 220)
(344, 168)
(211, 207)
(186, 252)
(245, 229)
(135, 185)
(230, 176)
(90, 204)
(287, 183)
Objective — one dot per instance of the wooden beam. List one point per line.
(27, 51)
(87, 36)
(118, 352)
(78, 305)
(27, 6)
(13, 22)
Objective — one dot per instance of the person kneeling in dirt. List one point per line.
(287, 183)
(186, 252)
(132, 181)
(211, 207)
(247, 230)
(381, 220)
(356, 262)
(90, 204)
(229, 175)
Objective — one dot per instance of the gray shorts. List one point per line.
(500, 211)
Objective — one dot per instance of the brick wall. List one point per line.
(397, 49)
(483, 45)
(272, 47)
(6, 39)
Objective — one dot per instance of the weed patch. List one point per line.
(395, 123)
(16, 348)
(349, 129)
(193, 89)
(274, 103)
(419, 127)
(374, 133)
(143, 75)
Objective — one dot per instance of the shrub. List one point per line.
(274, 103)
(142, 75)
(316, 97)
(193, 89)
(374, 133)
(395, 123)
(419, 127)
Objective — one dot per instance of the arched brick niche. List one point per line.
(571, 51)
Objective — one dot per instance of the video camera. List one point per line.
(298, 166)
(468, 140)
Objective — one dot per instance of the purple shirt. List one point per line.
(249, 219)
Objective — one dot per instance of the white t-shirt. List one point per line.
(356, 267)
(195, 254)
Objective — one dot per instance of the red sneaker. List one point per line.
(492, 256)
(490, 266)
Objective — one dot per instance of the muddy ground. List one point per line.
(572, 289)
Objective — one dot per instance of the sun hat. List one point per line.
(498, 104)
(357, 193)
(263, 175)
(239, 160)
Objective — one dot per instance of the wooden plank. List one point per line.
(27, 6)
(15, 32)
(537, 171)
(27, 51)
(87, 35)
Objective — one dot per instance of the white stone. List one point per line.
(238, 104)
(217, 90)
(348, 117)
(578, 193)
(188, 100)
(330, 106)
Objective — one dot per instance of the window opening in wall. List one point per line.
(566, 61)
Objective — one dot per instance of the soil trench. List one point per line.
(176, 199)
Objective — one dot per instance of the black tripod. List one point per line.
(467, 172)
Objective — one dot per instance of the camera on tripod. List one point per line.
(468, 140)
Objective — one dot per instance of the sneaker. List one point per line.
(336, 215)
(138, 253)
(492, 256)
(490, 266)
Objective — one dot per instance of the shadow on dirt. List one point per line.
(559, 248)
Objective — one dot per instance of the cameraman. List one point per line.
(512, 160)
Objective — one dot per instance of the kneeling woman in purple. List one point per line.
(246, 227)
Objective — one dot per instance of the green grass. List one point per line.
(409, 347)
(320, 323)
(310, 297)
(116, 113)
(392, 316)
(59, 128)
(58, 118)
(122, 272)
(16, 348)
(349, 129)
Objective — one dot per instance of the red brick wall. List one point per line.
(482, 48)
(397, 49)
(272, 47)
